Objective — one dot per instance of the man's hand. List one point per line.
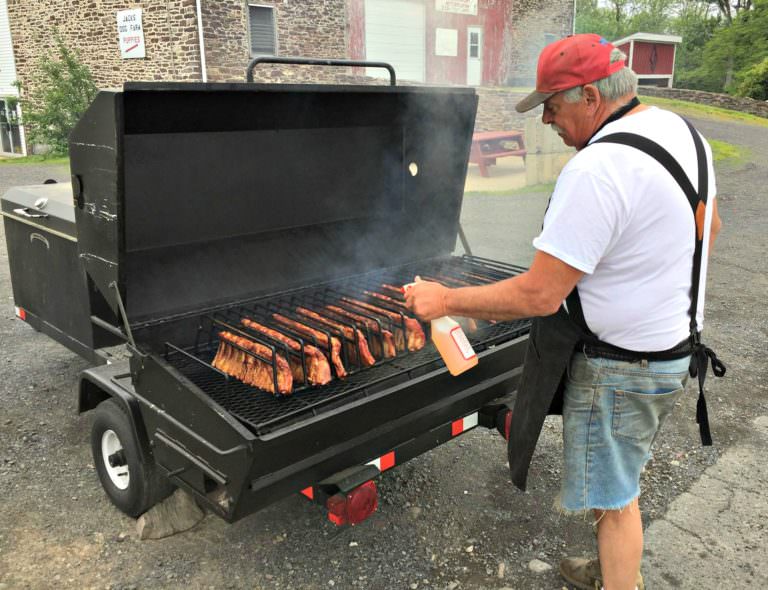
(426, 299)
(537, 292)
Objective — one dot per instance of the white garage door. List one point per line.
(394, 33)
(7, 65)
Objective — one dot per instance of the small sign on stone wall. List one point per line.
(447, 42)
(457, 6)
(130, 33)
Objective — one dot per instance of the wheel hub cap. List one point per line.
(114, 460)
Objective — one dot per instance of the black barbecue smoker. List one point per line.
(194, 207)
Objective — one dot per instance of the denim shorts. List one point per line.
(612, 413)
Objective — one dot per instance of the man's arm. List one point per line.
(714, 229)
(537, 292)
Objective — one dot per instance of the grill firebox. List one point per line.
(263, 411)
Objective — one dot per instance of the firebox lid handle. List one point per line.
(307, 61)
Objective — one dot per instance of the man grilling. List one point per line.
(616, 290)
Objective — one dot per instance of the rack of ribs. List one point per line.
(359, 354)
(414, 333)
(318, 369)
(388, 340)
(333, 347)
(386, 299)
(232, 359)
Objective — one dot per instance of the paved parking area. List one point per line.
(447, 520)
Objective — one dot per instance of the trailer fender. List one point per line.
(94, 388)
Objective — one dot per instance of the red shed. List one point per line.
(651, 57)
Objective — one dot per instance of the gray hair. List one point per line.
(612, 87)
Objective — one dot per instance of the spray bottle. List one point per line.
(451, 343)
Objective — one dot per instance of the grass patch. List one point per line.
(36, 159)
(722, 150)
(526, 190)
(693, 109)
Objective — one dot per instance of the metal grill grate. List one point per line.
(264, 412)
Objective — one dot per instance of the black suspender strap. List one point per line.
(698, 202)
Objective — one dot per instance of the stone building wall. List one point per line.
(308, 29)
(534, 24)
(90, 28)
(496, 109)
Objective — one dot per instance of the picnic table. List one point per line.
(489, 145)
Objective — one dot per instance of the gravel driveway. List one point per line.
(448, 519)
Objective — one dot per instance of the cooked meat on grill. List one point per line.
(333, 347)
(467, 324)
(355, 343)
(251, 370)
(414, 333)
(318, 369)
(387, 338)
(396, 324)
(393, 288)
(386, 299)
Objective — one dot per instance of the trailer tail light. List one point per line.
(354, 507)
(507, 424)
(21, 313)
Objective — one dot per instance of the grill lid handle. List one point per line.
(307, 61)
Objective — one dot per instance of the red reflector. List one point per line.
(21, 313)
(387, 461)
(337, 509)
(457, 427)
(308, 492)
(355, 507)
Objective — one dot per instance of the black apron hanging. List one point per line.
(554, 338)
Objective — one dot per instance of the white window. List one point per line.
(474, 43)
(261, 20)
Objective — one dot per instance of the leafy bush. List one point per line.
(61, 89)
(753, 82)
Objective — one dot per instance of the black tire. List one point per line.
(143, 486)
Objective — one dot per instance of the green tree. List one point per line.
(695, 23)
(60, 91)
(619, 18)
(733, 50)
(753, 81)
(609, 21)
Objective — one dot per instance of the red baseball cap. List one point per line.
(573, 61)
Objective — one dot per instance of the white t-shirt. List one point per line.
(617, 215)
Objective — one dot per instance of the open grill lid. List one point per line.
(193, 195)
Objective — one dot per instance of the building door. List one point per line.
(10, 134)
(395, 33)
(474, 56)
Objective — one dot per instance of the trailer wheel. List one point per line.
(133, 485)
